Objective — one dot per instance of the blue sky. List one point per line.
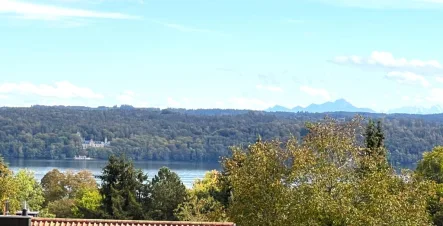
(221, 53)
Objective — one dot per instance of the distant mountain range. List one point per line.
(340, 105)
(332, 106)
(417, 110)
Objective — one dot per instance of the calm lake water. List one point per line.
(188, 172)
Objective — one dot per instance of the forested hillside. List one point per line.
(184, 135)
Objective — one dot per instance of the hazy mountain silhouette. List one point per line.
(417, 110)
(331, 106)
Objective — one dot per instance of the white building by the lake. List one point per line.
(93, 144)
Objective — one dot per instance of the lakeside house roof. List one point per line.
(97, 222)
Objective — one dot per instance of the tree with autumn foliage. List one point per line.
(431, 168)
(65, 193)
(207, 200)
(19, 188)
(318, 181)
(8, 187)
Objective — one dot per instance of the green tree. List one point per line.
(62, 191)
(123, 190)
(78, 182)
(207, 201)
(4, 171)
(167, 193)
(260, 196)
(316, 181)
(435, 205)
(374, 139)
(431, 168)
(57, 185)
(62, 208)
(87, 203)
(374, 151)
(29, 190)
(8, 188)
(53, 186)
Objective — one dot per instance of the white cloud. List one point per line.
(408, 78)
(131, 98)
(439, 79)
(173, 103)
(126, 97)
(316, 92)
(2, 97)
(183, 28)
(63, 89)
(436, 95)
(48, 12)
(269, 88)
(387, 60)
(219, 104)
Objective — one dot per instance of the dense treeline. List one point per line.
(184, 135)
(123, 193)
(327, 178)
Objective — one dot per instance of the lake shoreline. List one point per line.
(187, 171)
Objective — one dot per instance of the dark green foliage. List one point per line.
(374, 137)
(380, 135)
(370, 137)
(168, 192)
(186, 135)
(121, 189)
(62, 208)
(127, 194)
(374, 151)
(374, 140)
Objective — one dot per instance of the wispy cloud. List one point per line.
(131, 98)
(49, 12)
(173, 103)
(408, 78)
(269, 88)
(63, 89)
(436, 96)
(316, 92)
(413, 99)
(184, 28)
(386, 61)
(386, 4)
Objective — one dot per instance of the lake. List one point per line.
(187, 171)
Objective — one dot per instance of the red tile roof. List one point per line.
(85, 222)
